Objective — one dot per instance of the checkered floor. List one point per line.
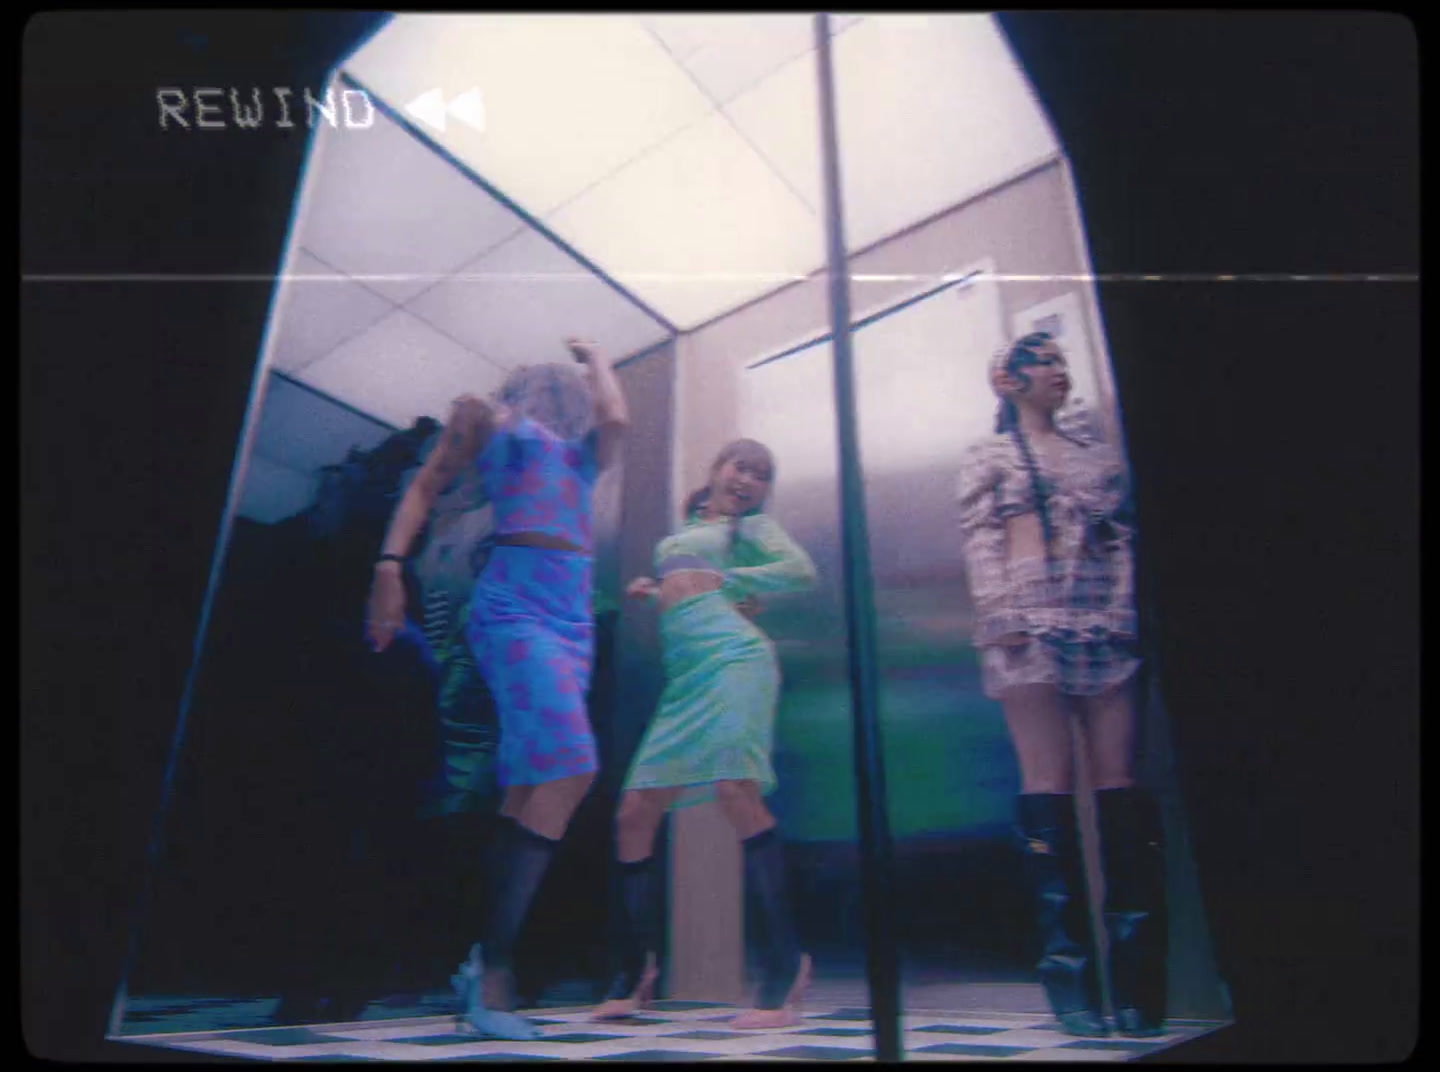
(671, 1031)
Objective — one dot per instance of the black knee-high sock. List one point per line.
(639, 925)
(765, 878)
(518, 863)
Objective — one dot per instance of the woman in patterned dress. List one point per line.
(1048, 538)
(712, 736)
(539, 447)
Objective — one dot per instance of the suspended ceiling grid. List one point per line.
(677, 154)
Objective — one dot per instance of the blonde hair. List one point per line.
(554, 395)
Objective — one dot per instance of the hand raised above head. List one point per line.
(583, 350)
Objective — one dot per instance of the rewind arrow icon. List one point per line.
(431, 109)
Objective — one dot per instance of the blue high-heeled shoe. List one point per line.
(473, 1014)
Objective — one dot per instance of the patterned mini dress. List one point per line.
(1068, 617)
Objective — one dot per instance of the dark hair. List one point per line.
(1025, 351)
(731, 450)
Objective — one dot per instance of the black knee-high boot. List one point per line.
(765, 880)
(518, 861)
(1068, 966)
(1136, 920)
(639, 925)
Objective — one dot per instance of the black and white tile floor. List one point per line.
(668, 1031)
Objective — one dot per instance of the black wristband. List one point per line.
(391, 558)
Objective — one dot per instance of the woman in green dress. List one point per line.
(712, 736)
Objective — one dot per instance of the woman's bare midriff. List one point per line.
(1024, 537)
(685, 584)
(1025, 543)
(543, 541)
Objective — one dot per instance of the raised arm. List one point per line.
(784, 566)
(471, 424)
(612, 416)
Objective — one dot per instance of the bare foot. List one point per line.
(620, 1008)
(765, 1019)
(788, 1015)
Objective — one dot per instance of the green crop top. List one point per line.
(764, 558)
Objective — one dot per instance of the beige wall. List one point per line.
(1027, 227)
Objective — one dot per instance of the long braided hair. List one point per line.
(748, 448)
(1028, 350)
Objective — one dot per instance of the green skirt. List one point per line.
(716, 719)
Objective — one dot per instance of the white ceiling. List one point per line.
(679, 154)
(408, 284)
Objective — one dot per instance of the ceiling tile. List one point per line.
(928, 119)
(969, 120)
(567, 98)
(519, 302)
(318, 311)
(780, 117)
(592, 126)
(697, 227)
(684, 34)
(748, 49)
(385, 204)
(402, 369)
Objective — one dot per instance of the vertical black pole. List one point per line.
(875, 850)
